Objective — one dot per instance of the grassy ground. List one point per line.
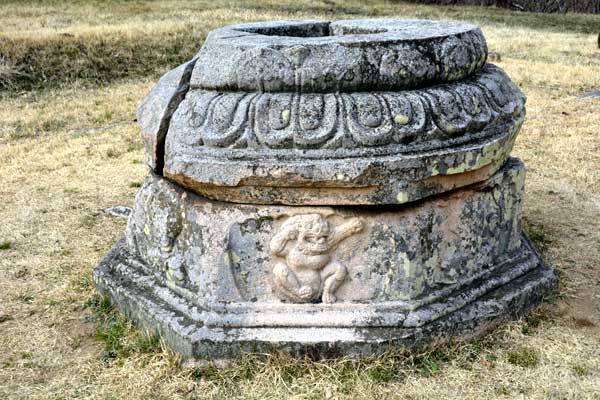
(73, 74)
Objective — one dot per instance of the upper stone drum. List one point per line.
(350, 112)
(328, 188)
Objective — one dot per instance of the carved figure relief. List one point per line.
(309, 271)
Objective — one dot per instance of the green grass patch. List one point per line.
(524, 357)
(535, 319)
(580, 370)
(120, 339)
(82, 282)
(5, 245)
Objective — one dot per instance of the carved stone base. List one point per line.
(217, 279)
(195, 334)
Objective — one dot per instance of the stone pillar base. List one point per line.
(216, 279)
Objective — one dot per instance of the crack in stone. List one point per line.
(178, 96)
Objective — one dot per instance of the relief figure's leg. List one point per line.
(333, 275)
(287, 283)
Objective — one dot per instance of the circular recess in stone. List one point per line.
(351, 55)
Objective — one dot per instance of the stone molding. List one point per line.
(362, 120)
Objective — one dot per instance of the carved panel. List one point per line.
(308, 271)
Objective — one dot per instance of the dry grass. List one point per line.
(52, 42)
(71, 150)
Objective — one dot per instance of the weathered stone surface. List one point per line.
(209, 244)
(155, 112)
(594, 93)
(352, 55)
(341, 125)
(361, 148)
(217, 278)
(118, 211)
(371, 199)
(266, 121)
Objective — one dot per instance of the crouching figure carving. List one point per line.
(309, 270)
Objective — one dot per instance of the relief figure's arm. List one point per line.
(279, 241)
(345, 230)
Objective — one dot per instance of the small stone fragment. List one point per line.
(594, 93)
(118, 211)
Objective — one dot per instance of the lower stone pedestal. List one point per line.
(217, 279)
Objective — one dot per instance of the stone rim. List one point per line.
(394, 54)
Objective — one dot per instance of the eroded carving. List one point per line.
(309, 270)
(349, 120)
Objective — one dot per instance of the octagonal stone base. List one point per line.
(217, 279)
